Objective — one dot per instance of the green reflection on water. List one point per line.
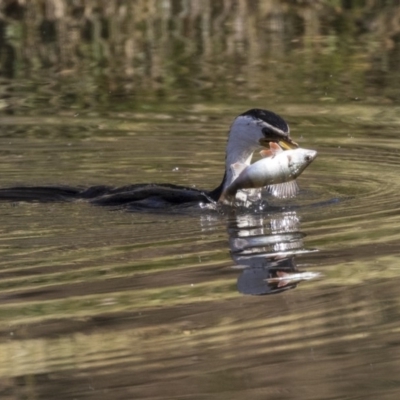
(130, 54)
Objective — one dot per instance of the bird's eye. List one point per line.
(267, 131)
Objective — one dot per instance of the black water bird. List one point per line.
(250, 131)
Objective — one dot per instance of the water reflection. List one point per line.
(90, 54)
(264, 246)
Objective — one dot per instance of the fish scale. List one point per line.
(278, 172)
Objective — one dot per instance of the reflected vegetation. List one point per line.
(90, 54)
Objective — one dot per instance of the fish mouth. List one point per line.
(311, 156)
(285, 144)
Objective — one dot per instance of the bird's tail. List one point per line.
(41, 194)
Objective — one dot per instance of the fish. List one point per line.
(283, 278)
(277, 171)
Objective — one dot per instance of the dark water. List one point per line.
(108, 304)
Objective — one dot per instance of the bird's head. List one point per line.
(254, 129)
(251, 131)
(264, 126)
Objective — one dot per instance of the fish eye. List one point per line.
(308, 158)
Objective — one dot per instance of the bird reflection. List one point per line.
(264, 247)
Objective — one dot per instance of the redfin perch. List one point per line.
(277, 168)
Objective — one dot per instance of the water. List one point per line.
(108, 304)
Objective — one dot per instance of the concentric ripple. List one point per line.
(88, 289)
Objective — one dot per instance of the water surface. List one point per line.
(110, 304)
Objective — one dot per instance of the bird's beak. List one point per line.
(286, 143)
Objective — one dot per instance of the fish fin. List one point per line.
(266, 153)
(281, 274)
(237, 168)
(284, 190)
(275, 148)
(283, 283)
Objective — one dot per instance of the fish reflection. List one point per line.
(265, 248)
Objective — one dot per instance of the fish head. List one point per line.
(298, 160)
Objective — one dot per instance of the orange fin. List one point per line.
(282, 274)
(266, 153)
(275, 148)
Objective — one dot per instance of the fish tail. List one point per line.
(228, 195)
(223, 199)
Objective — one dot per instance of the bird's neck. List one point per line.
(243, 157)
(237, 151)
(243, 141)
